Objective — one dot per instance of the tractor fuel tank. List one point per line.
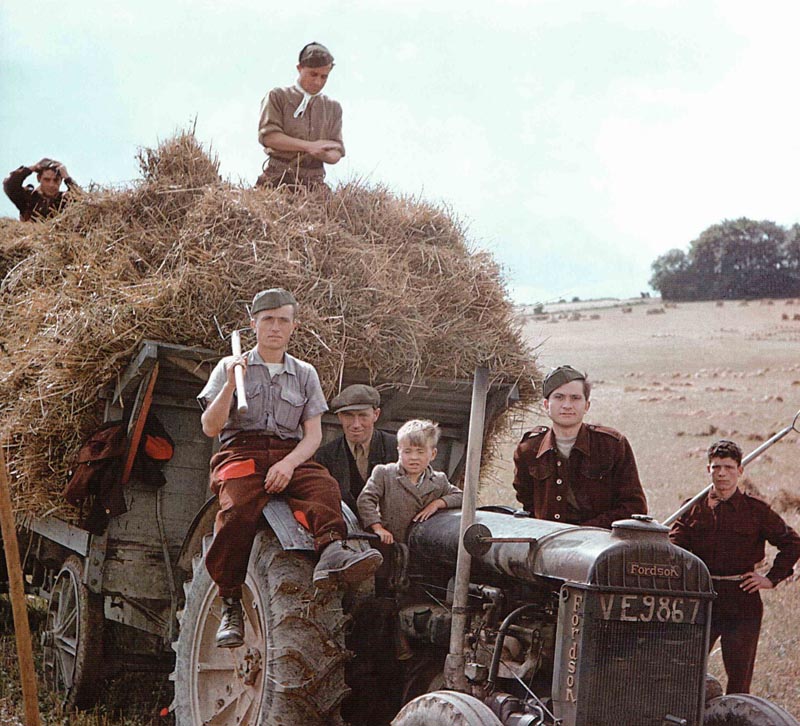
(634, 554)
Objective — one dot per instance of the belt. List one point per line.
(244, 436)
(731, 578)
(279, 166)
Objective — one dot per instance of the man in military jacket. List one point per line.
(47, 199)
(574, 472)
(727, 530)
(351, 457)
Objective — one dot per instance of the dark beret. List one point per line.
(558, 377)
(275, 297)
(315, 55)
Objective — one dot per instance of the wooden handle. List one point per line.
(238, 373)
(141, 408)
(16, 589)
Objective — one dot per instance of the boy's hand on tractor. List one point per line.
(430, 510)
(385, 535)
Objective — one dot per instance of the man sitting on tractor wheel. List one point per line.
(574, 472)
(267, 450)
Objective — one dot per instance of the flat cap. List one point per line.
(558, 377)
(356, 398)
(275, 297)
(315, 55)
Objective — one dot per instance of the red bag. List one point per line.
(97, 473)
(98, 463)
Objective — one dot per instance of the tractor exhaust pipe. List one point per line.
(755, 453)
(454, 675)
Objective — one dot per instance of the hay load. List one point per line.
(386, 284)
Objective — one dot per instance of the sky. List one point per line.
(576, 140)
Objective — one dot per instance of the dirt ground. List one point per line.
(673, 382)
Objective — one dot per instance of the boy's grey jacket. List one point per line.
(391, 499)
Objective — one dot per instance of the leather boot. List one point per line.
(230, 633)
(340, 562)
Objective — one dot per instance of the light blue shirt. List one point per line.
(276, 405)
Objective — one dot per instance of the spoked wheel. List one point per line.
(446, 708)
(290, 669)
(73, 639)
(742, 709)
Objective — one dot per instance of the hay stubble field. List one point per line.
(673, 382)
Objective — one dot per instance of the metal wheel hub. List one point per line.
(249, 666)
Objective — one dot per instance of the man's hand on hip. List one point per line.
(753, 582)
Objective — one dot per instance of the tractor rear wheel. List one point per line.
(290, 669)
(446, 708)
(742, 709)
(73, 638)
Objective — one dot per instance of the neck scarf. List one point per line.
(301, 109)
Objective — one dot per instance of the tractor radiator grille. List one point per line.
(634, 674)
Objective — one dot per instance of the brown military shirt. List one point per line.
(32, 204)
(730, 537)
(322, 119)
(597, 484)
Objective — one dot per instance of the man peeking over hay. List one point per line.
(300, 128)
(45, 200)
(267, 450)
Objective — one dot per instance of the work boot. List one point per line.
(339, 562)
(230, 633)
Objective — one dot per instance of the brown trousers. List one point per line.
(238, 471)
(296, 179)
(736, 621)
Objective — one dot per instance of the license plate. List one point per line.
(640, 608)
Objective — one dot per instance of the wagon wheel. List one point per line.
(742, 709)
(73, 639)
(446, 708)
(290, 669)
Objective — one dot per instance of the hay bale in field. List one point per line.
(386, 284)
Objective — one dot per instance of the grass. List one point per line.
(133, 699)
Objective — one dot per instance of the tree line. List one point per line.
(736, 259)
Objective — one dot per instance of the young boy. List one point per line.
(408, 490)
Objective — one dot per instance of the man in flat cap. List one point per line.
(574, 472)
(300, 128)
(267, 450)
(351, 457)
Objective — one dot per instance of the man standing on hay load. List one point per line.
(300, 128)
(267, 450)
(727, 530)
(574, 472)
(45, 200)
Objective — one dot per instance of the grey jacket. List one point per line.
(390, 498)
